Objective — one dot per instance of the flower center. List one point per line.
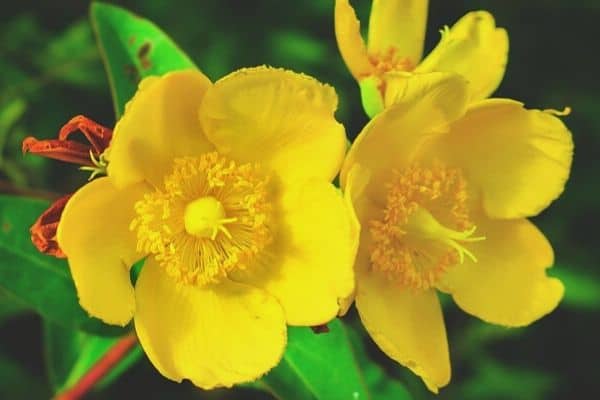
(424, 228)
(390, 61)
(212, 217)
(205, 218)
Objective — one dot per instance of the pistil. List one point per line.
(421, 224)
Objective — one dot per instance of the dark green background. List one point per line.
(50, 70)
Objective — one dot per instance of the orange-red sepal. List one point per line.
(64, 149)
(43, 231)
(99, 136)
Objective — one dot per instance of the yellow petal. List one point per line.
(398, 24)
(279, 118)
(364, 206)
(350, 42)
(215, 336)
(365, 209)
(309, 269)
(159, 124)
(518, 159)
(423, 106)
(474, 48)
(508, 284)
(407, 325)
(94, 234)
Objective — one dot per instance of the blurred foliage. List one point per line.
(37, 285)
(51, 69)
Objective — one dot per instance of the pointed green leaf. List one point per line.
(328, 366)
(132, 48)
(42, 283)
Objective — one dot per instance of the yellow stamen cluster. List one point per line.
(425, 217)
(390, 61)
(212, 217)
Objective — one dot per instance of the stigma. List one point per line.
(422, 225)
(205, 218)
(212, 217)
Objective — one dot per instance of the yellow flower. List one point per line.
(442, 190)
(225, 188)
(473, 48)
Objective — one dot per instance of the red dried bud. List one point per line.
(99, 136)
(43, 231)
(64, 149)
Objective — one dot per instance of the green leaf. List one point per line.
(581, 290)
(10, 306)
(380, 385)
(328, 366)
(70, 354)
(42, 283)
(9, 114)
(132, 48)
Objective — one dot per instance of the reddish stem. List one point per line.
(100, 369)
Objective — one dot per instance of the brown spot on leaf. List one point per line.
(143, 53)
(131, 40)
(131, 73)
(6, 227)
(318, 329)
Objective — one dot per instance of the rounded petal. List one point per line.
(350, 42)
(508, 284)
(214, 336)
(518, 159)
(362, 203)
(309, 269)
(473, 48)
(407, 325)
(159, 124)
(279, 118)
(365, 209)
(398, 24)
(94, 234)
(423, 106)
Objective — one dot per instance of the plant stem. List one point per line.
(100, 369)
(7, 187)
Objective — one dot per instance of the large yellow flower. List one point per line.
(226, 190)
(473, 48)
(442, 190)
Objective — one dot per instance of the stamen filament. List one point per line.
(424, 227)
(204, 196)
